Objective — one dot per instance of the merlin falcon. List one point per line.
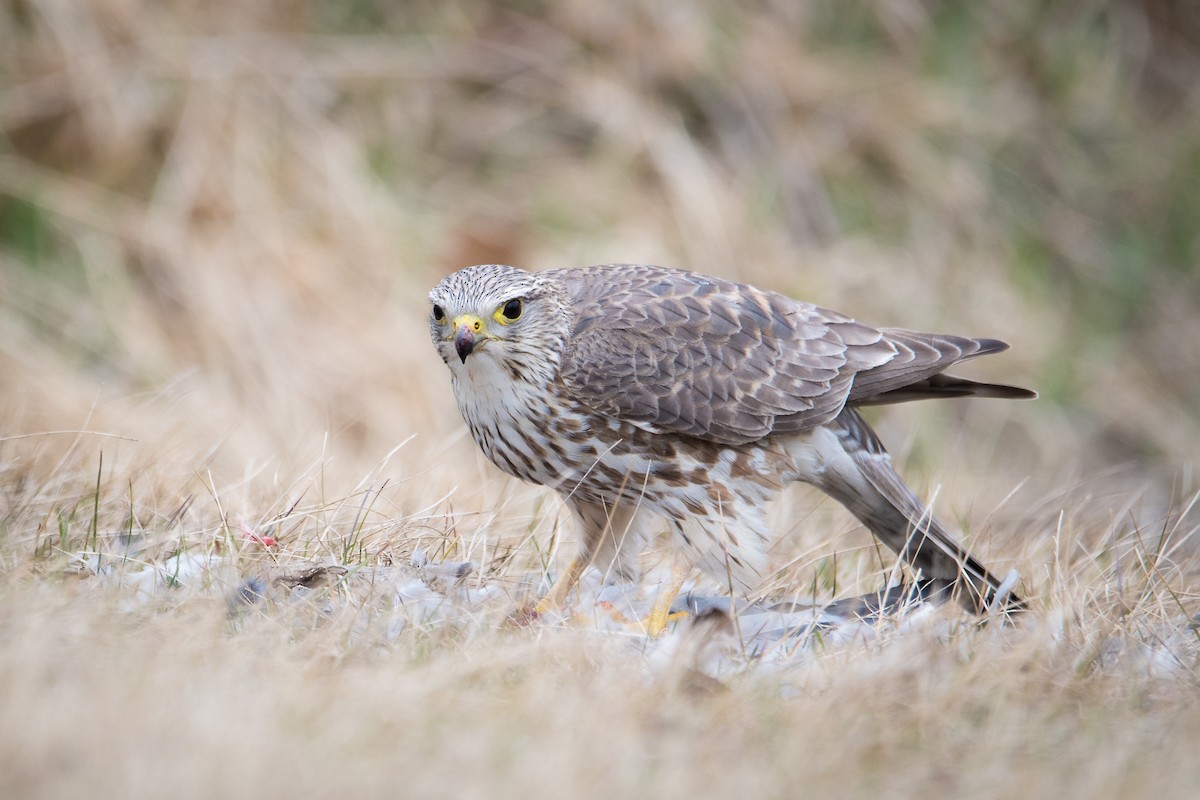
(656, 399)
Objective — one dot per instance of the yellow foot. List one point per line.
(656, 624)
(660, 617)
(653, 624)
(554, 598)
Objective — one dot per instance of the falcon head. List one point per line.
(493, 315)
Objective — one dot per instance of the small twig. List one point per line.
(66, 433)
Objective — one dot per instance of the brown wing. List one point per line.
(686, 353)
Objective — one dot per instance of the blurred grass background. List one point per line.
(218, 225)
(241, 205)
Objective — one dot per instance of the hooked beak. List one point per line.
(469, 331)
(464, 342)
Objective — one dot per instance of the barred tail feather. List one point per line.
(880, 499)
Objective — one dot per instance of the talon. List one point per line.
(656, 626)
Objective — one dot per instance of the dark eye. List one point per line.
(512, 309)
(438, 314)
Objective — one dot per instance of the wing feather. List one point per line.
(681, 352)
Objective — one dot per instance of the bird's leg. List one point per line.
(557, 595)
(655, 623)
(562, 586)
(660, 613)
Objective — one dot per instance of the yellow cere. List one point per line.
(470, 320)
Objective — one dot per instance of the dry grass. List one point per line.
(217, 228)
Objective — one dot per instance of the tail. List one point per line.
(869, 488)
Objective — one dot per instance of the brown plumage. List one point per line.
(643, 394)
